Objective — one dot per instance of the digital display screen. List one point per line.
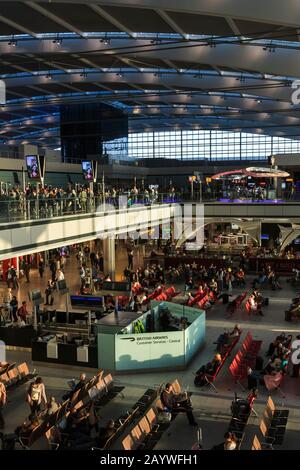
(87, 170)
(86, 301)
(264, 237)
(117, 286)
(33, 168)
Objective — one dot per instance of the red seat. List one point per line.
(162, 296)
(170, 291)
(196, 299)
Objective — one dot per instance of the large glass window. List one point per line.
(205, 144)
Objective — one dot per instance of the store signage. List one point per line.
(149, 350)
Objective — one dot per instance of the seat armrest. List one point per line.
(54, 445)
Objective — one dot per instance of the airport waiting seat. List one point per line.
(256, 445)
(277, 416)
(274, 435)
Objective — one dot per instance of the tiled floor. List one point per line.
(212, 410)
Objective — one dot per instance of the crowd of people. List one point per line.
(51, 201)
(270, 374)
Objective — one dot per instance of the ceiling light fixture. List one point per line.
(57, 40)
(105, 40)
(13, 42)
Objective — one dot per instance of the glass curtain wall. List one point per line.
(209, 145)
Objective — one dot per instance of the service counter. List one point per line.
(65, 344)
(64, 353)
(166, 337)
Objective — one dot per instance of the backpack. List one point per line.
(239, 407)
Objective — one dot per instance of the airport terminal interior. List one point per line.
(149, 225)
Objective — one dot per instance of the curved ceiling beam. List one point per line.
(269, 11)
(238, 108)
(274, 90)
(250, 57)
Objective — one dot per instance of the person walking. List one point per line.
(41, 268)
(14, 278)
(23, 312)
(36, 394)
(14, 305)
(49, 292)
(130, 259)
(27, 271)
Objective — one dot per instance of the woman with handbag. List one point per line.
(36, 394)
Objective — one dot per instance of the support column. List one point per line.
(109, 257)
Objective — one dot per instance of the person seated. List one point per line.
(105, 434)
(24, 431)
(287, 342)
(254, 306)
(240, 277)
(222, 341)
(75, 387)
(279, 351)
(273, 280)
(272, 381)
(260, 280)
(258, 298)
(51, 407)
(295, 311)
(230, 442)
(170, 403)
(213, 285)
(272, 347)
(236, 332)
(277, 365)
(77, 425)
(209, 369)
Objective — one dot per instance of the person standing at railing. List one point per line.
(83, 199)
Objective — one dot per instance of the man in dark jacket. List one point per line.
(168, 399)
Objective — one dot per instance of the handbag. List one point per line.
(164, 417)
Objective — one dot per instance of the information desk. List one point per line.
(166, 337)
(65, 345)
(62, 353)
